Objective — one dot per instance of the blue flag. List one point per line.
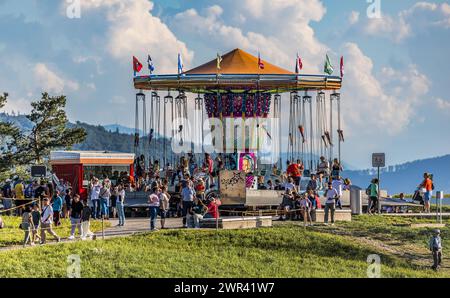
(151, 67)
(180, 64)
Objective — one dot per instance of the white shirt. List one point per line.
(289, 186)
(330, 194)
(95, 192)
(47, 215)
(121, 196)
(153, 200)
(337, 185)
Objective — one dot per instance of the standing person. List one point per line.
(436, 249)
(47, 221)
(187, 195)
(67, 203)
(104, 195)
(57, 208)
(208, 165)
(336, 168)
(338, 185)
(120, 205)
(427, 186)
(75, 217)
(113, 199)
(153, 202)
(372, 191)
(163, 205)
(94, 196)
(27, 223)
(305, 206)
(85, 217)
(330, 203)
(36, 216)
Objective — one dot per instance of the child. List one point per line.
(85, 216)
(36, 217)
(200, 189)
(436, 249)
(26, 226)
(305, 206)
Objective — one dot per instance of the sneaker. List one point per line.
(326, 224)
(83, 238)
(71, 237)
(332, 224)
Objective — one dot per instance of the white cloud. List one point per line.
(420, 16)
(353, 18)
(133, 30)
(387, 103)
(283, 29)
(443, 104)
(50, 81)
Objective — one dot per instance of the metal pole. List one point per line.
(378, 193)
(331, 128)
(103, 228)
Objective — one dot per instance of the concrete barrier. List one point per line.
(339, 215)
(228, 223)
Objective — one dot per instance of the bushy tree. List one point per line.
(50, 129)
(10, 136)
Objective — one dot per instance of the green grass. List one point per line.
(287, 250)
(12, 235)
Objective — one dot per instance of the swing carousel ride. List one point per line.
(234, 95)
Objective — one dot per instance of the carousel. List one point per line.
(251, 115)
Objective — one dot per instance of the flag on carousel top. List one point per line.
(219, 60)
(137, 66)
(328, 68)
(180, 64)
(260, 63)
(151, 67)
(342, 66)
(298, 64)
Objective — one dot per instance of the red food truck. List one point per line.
(78, 167)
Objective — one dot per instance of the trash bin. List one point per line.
(356, 201)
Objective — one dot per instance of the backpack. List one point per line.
(368, 190)
(28, 191)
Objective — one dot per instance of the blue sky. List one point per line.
(395, 97)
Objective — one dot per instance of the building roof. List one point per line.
(91, 158)
(238, 62)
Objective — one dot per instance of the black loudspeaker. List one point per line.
(38, 171)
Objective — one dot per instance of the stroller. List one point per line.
(417, 197)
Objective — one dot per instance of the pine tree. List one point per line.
(50, 129)
(9, 138)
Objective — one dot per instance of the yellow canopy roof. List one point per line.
(238, 62)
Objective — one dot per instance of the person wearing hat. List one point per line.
(47, 221)
(436, 249)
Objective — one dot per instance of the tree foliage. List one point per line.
(10, 136)
(50, 129)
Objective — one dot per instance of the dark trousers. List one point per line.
(186, 206)
(329, 208)
(56, 218)
(437, 258)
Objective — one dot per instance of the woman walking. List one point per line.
(163, 205)
(105, 194)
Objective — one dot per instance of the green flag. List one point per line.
(328, 68)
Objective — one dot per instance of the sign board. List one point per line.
(378, 160)
(38, 171)
(232, 187)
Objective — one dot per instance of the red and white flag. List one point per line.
(260, 63)
(137, 66)
(342, 66)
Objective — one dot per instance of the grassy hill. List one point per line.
(286, 250)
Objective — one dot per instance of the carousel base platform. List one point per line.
(238, 222)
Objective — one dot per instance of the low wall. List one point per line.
(228, 223)
(339, 215)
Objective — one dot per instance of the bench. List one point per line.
(339, 215)
(237, 222)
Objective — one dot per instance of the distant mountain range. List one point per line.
(406, 177)
(396, 179)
